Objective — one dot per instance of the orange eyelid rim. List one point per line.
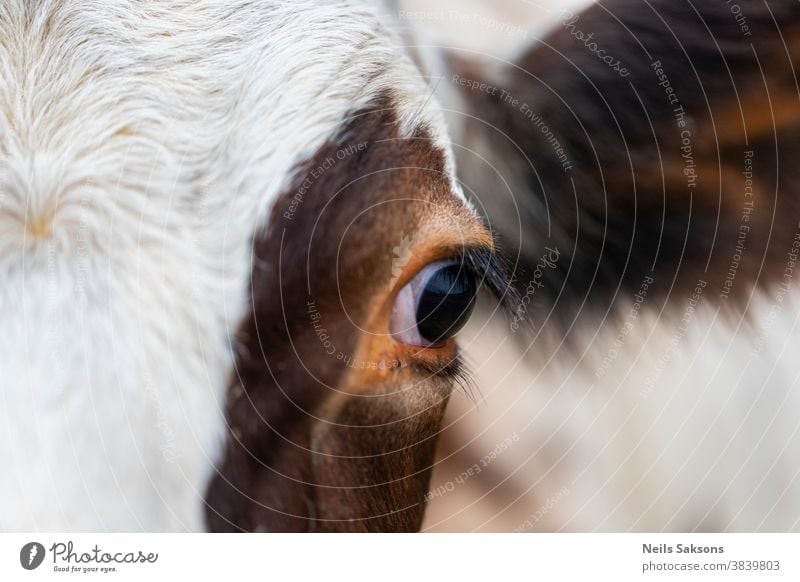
(440, 249)
(379, 345)
(384, 357)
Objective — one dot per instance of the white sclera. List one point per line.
(403, 324)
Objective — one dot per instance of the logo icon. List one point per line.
(31, 555)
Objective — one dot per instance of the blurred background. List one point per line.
(693, 434)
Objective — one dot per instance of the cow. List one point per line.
(239, 239)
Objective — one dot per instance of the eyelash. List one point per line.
(457, 370)
(491, 273)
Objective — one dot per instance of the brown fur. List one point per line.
(341, 441)
(624, 210)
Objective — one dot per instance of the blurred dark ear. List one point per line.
(643, 139)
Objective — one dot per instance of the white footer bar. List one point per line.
(461, 557)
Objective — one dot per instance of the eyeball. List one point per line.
(434, 305)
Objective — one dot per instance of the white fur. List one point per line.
(141, 146)
(684, 430)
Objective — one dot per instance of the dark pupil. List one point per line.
(446, 303)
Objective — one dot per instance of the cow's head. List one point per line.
(236, 232)
(366, 268)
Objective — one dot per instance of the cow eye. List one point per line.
(434, 305)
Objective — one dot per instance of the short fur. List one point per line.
(142, 146)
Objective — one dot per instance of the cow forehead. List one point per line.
(175, 108)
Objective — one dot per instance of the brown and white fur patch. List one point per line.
(654, 214)
(207, 209)
(144, 147)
